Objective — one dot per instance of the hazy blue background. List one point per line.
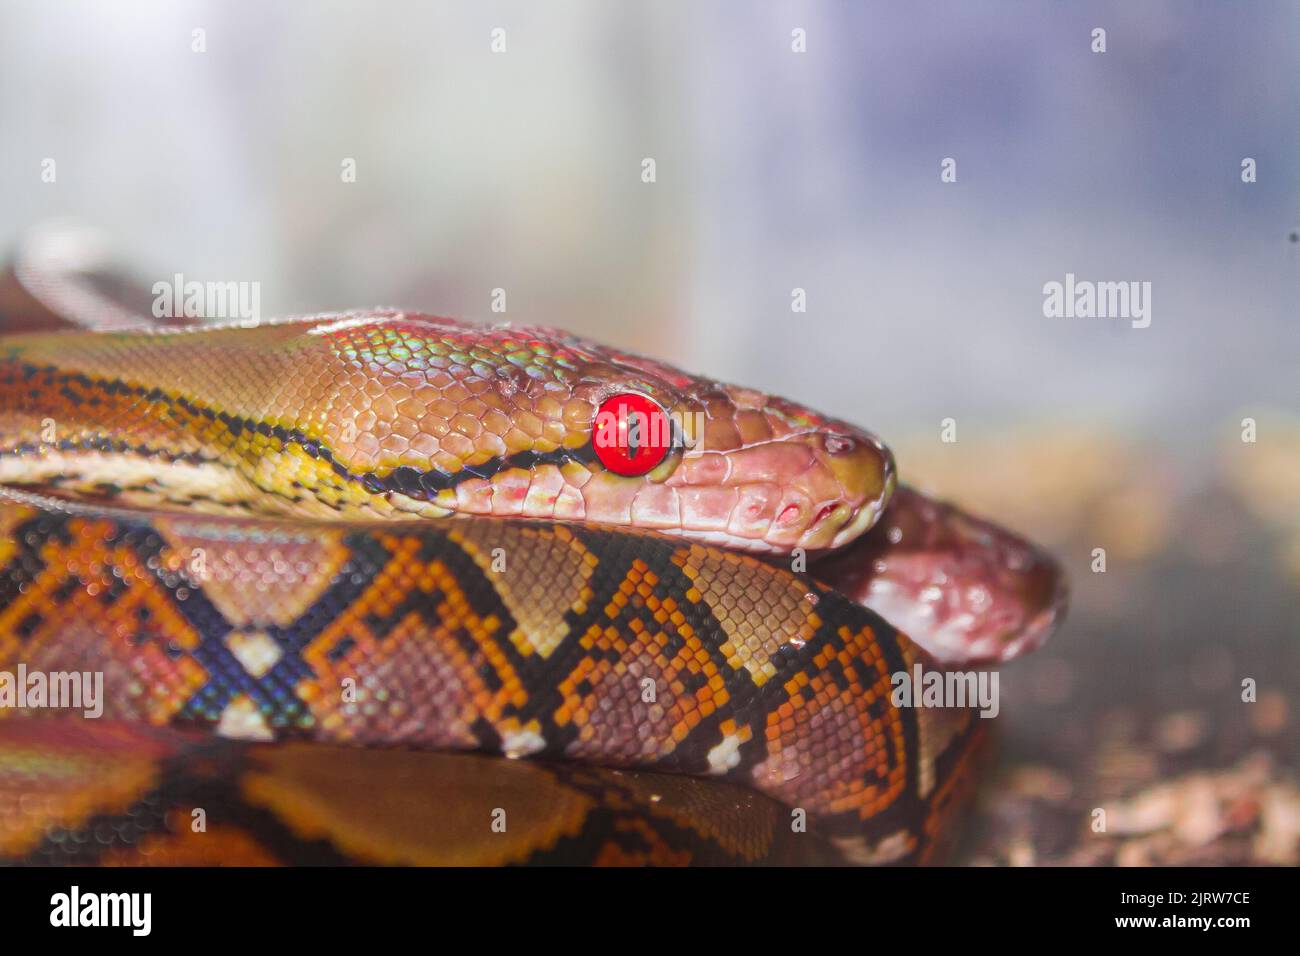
(775, 170)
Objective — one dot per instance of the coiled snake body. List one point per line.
(245, 531)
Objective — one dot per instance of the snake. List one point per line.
(361, 588)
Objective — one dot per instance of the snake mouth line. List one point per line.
(405, 480)
(425, 485)
(421, 485)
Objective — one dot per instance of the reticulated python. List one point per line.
(243, 529)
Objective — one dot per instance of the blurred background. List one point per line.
(798, 146)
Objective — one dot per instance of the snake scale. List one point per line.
(248, 531)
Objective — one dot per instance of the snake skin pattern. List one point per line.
(120, 794)
(234, 527)
(613, 648)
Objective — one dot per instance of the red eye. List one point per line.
(632, 434)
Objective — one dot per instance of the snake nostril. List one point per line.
(838, 444)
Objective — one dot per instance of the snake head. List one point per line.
(503, 420)
(392, 415)
(765, 474)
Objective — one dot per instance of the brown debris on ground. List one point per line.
(1248, 813)
(1170, 699)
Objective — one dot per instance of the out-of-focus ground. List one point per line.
(1135, 708)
